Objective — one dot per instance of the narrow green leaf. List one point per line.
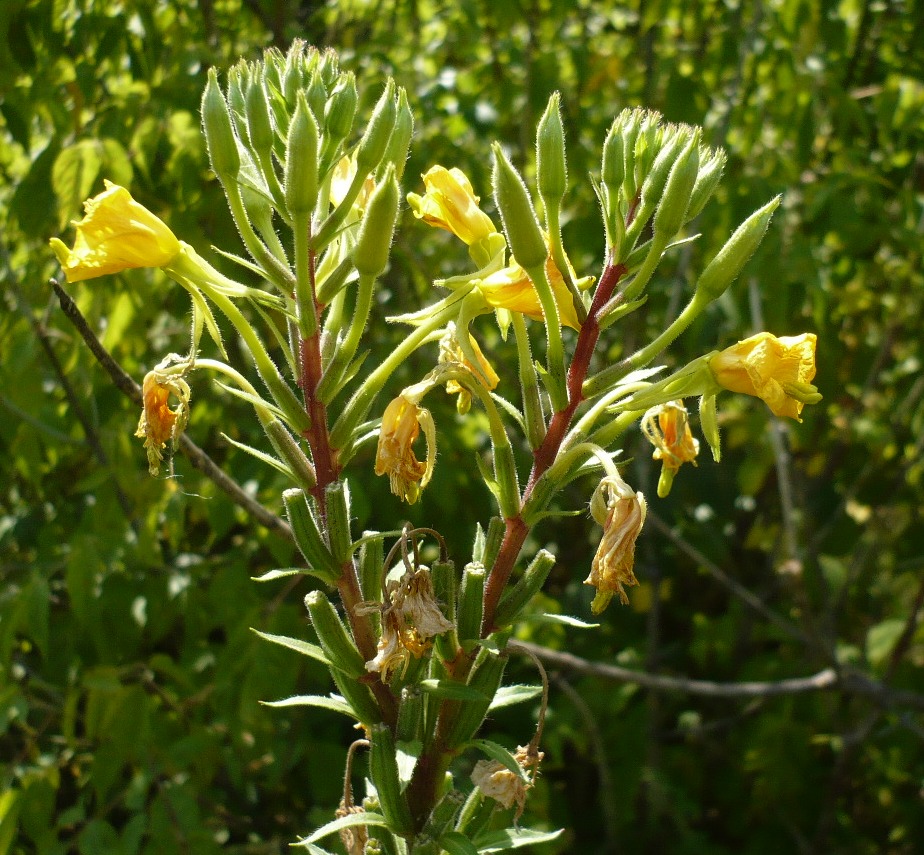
(312, 651)
(262, 456)
(507, 696)
(501, 755)
(345, 822)
(334, 703)
(450, 690)
(513, 838)
(456, 843)
(281, 573)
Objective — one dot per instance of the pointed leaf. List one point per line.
(509, 695)
(334, 703)
(457, 844)
(451, 690)
(513, 838)
(262, 456)
(349, 821)
(306, 648)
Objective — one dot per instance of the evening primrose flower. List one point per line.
(512, 289)
(498, 782)
(667, 427)
(450, 203)
(451, 354)
(341, 179)
(401, 424)
(418, 606)
(777, 370)
(621, 512)
(115, 234)
(159, 424)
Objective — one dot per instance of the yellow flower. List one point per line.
(115, 234)
(667, 427)
(450, 203)
(512, 289)
(621, 512)
(777, 370)
(341, 179)
(451, 354)
(401, 424)
(159, 424)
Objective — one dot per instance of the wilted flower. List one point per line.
(401, 424)
(621, 512)
(115, 234)
(667, 427)
(451, 354)
(450, 203)
(159, 424)
(501, 784)
(777, 370)
(512, 289)
(391, 653)
(418, 606)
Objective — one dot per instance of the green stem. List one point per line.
(553, 222)
(529, 384)
(555, 354)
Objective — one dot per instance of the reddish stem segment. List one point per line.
(544, 457)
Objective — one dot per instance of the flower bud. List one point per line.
(358, 696)
(338, 520)
(517, 213)
(529, 584)
(613, 161)
(341, 108)
(370, 255)
(551, 169)
(710, 173)
(630, 131)
(308, 536)
(673, 207)
(316, 94)
(332, 636)
(237, 83)
(219, 134)
(471, 602)
(400, 140)
(653, 188)
(302, 160)
(383, 769)
(375, 140)
(709, 425)
(410, 712)
(259, 125)
(485, 677)
(725, 267)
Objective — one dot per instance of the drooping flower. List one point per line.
(401, 424)
(777, 370)
(621, 512)
(159, 424)
(512, 289)
(503, 785)
(391, 653)
(451, 353)
(418, 606)
(450, 203)
(116, 233)
(667, 427)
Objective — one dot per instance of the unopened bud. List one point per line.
(308, 536)
(302, 159)
(710, 173)
(410, 712)
(646, 145)
(341, 108)
(370, 255)
(551, 168)
(375, 140)
(219, 134)
(673, 207)
(653, 188)
(517, 213)
(471, 602)
(613, 161)
(485, 677)
(400, 140)
(237, 83)
(332, 636)
(316, 94)
(709, 425)
(529, 584)
(258, 118)
(338, 520)
(725, 267)
(383, 769)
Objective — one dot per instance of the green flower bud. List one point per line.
(375, 140)
(444, 814)
(400, 140)
(485, 677)
(612, 171)
(646, 145)
(237, 83)
(219, 134)
(341, 108)
(471, 602)
(316, 94)
(653, 188)
(709, 424)
(338, 521)
(673, 207)
(445, 582)
(358, 696)
(529, 584)
(302, 160)
(710, 173)
(308, 536)
(333, 636)
(517, 213)
(371, 563)
(370, 255)
(410, 713)
(725, 267)
(293, 456)
(292, 76)
(493, 540)
(259, 124)
(551, 168)
(383, 769)
(630, 131)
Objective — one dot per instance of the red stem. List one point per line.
(544, 457)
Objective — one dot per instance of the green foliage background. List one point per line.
(129, 715)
